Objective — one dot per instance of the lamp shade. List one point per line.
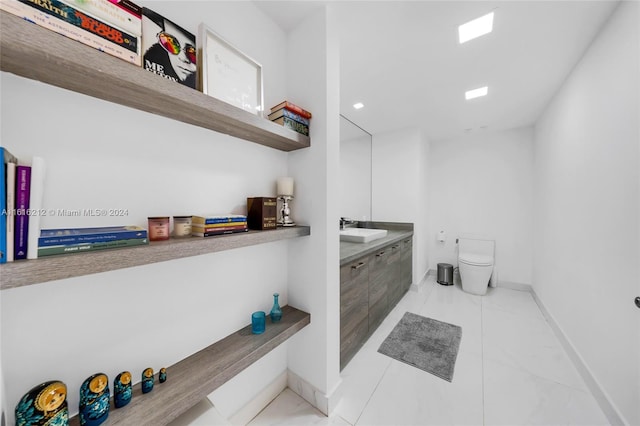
(285, 186)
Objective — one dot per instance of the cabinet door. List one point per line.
(378, 293)
(394, 283)
(354, 306)
(406, 264)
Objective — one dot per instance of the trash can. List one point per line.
(445, 274)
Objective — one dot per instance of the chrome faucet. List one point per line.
(346, 221)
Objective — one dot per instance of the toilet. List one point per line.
(475, 264)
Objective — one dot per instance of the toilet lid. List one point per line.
(476, 259)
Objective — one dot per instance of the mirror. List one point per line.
(355, 171)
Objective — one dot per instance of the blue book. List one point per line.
(6, 157)
(209, 220)
(57, 237)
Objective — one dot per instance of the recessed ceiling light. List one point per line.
(476, 93)
(476, 28)
(358, 105)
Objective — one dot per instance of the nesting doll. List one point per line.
(94, 400)
(147, 380)
(45, 404)
(122, 389)
(162, 377)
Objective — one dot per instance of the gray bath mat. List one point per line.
(425, 343)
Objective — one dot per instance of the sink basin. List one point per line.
(362, 235)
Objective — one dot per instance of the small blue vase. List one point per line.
(276, 312)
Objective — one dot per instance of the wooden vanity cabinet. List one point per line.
(370, 287)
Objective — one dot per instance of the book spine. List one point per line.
(129, 6)
(11, 211)
(6, 158)
(294, 125)
(209, 221)
(297, 117)
(199, 229)
(90, 238)
(292, 107)
(38, 169)
(81, 248)
(41, 18)
(213, 234)
(111, 13)
(218, 225)
(23, 187)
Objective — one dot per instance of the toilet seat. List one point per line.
(475, 259)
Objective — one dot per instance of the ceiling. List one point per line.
(402, 59)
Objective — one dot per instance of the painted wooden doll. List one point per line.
(162, 377)
(147, 380)
(94, 400)
(45, 404)
(122, 390)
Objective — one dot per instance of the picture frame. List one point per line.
(228, 74)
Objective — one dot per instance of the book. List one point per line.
(218, 228)
(287, 113)
(56, 237)
(216, 218)
(293, 125)
(118, 14)
(292, 107)
(36, 193)
(213, 226)
(5, 158)
(87, 247)
(54, 19)
(261, 213)
(168, 49)
(214, 233)
(11, 210)
(23, 188)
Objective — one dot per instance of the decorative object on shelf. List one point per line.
(79, 240)
(122, 389)
(147, 380)
(228, 74)
(284, 188)
(261, 213)
(168, 49)
(276, 312)
(159, 228)
(94, 400)
(258, 322)
(181, 226)
(291, 116)
(218, 224)
(162, 377)
(45, 404)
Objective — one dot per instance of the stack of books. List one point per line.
(216, 224)
(291, 116)
(111, 26)
(81, 240)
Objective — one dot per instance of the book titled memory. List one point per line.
(168, 49)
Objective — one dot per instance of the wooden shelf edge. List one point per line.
(34, 52)
(28, 272)
(192, 379)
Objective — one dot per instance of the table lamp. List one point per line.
(285, 193)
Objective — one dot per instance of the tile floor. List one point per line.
(510, 370)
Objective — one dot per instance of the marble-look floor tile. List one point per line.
(529, 344)
(290, 409)
(513, 396)
(516, 302)
(409, 396)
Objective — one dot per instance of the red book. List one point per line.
(292, 107)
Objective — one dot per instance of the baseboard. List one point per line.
(514, 286)
(422, 281)
(608, 408)
(325, 403)
(257, 404)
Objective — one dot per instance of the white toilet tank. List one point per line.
(475, 263)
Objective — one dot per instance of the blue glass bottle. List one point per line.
(276, 312)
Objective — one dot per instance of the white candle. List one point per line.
(285, 186)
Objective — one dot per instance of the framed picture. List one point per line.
(227, 73)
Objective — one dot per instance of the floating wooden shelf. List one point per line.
(37, 53)
(192, 379)
(27, 272)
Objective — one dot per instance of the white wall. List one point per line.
(399, 188)
(481, 184)
(587, 193)
(101, 154)
(314, 281)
